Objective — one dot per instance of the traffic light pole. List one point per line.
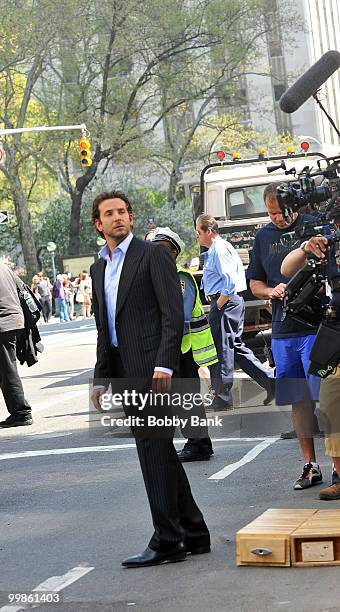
(44, 128)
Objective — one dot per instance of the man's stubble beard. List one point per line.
(117, 239)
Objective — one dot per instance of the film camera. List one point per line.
(307, 295)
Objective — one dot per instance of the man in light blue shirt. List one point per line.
(223, 279)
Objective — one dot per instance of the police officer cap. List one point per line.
(165, 233)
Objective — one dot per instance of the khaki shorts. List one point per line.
(330, 408)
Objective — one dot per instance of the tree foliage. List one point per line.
(149, 79)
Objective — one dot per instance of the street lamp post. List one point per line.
(51, 248)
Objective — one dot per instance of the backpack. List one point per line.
(30, 305)
(55, 291)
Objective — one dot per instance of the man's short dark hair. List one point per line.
(270, 191)
(108, 195)
(207, 222)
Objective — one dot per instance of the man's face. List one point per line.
(276, 215)
(166, 244)
(114, 219)
(204, 238)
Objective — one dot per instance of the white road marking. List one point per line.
(250, 456)
(69, 340)
(57, 583)
(53, 584)
(65, 330)
(43, 436)
(114, 447)
(65, 451)
(60, 399)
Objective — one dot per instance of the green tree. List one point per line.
(28, 31)
(127, 67)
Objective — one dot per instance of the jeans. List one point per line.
(63, 311)
(227, 327)
(46, 305)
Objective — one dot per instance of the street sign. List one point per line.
(4, 217)
(2, 155)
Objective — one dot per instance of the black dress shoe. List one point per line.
(198, 546)
(153, 557)
(190, 454)
(16, 421)
(199, 550)
(270, 396)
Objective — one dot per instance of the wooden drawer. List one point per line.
(263, 550)
(317, 540)
(266, 540)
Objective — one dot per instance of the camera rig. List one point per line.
(307, 294)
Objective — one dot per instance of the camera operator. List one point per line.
(330, 386)
(292, 341)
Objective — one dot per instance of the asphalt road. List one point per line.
(72, 505)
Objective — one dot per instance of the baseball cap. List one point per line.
(165, 233)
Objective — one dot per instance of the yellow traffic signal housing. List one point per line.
(85, 152)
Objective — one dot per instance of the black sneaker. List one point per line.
(311, 475)
(16, 421)
(288, 435)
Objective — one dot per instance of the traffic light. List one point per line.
(85, 152)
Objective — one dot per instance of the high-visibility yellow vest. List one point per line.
(199, 337)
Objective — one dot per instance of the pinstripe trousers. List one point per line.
(175, 514)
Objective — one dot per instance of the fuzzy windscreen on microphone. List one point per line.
(308, 84)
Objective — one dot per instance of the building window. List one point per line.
(279, 89)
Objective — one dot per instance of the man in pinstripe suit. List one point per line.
(138, 307)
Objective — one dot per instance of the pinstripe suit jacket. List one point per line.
(149, 312)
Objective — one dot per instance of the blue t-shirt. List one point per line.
(265, 263)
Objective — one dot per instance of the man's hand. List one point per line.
(95, 398)
(223, 299)
(277, 293)
(317, 245)
(161, 382)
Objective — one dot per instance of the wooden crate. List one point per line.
(317, 540)
(266, 540)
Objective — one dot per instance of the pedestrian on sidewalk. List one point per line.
(45, 292)
(11, 328)
(59, 295)
(84, 294)
(69, 296)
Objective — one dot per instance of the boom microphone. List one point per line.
(309, 83)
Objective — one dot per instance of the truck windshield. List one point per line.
(245, 202)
